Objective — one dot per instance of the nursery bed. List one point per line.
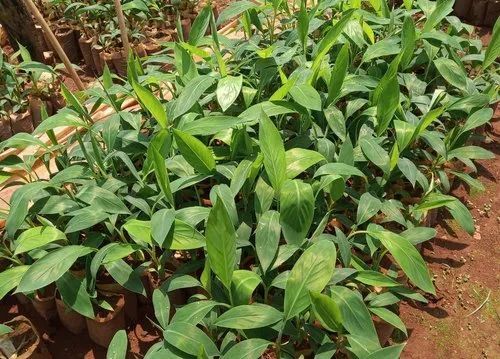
(142, 334)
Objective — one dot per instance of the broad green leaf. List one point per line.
(493, 51)
(356, 318)
(247, 349)
(408, 169)
(200, 25)
(477, 119)
(457, 209)
(451, 72)
(387, 104)
(37, 237)
(336, 122)
(195, 152)
(103, 199)
(391, 352)
(10, 278)
(51, 267)
(376, 154)
(243, 285)
(418, 235)
(118, 347)
(472, 182)
(326, 310)
(194, 313)
(22, 140)
(249, 317)
(407, 257)
(162, 222)
(211, 125)
(385, 47)
(339, 169)
(19, 205)
(303, 25)
(273, 150)
(61, 119)
(190, 339)
(296, 210)
(161, 305)
(140, 231)
(150, 103)
(408, 38)
(161, 175)
(368, 206)
(221, 243)
(267, 236)
(300, 159)
(74, 294)
(442, 9)
(471, 152)
(234, 9)
(328, 41)
(387, 316)
(375, 279)
(311, 273)
(228, 89)
(305, 95)
(191, 94)
(124, 275)
(338, 74)
(186, 237)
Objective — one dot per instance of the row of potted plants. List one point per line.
(89, 30)
(27, 89)
(269, 196)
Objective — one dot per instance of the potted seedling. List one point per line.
(20, 339)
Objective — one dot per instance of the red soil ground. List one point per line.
(467, 277)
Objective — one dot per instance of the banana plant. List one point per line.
(281, 180)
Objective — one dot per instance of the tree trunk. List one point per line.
(20, 26)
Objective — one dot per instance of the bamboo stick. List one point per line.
(123, 28)
(55, 44)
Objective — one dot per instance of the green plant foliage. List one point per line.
(278, 181)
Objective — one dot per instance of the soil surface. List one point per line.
(463, 320)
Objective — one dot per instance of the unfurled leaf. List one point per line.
(338, 74)
(326, 310)
(311, 273)
(189, 339)
(161, 305)
(249, 317)
(195, 152)
(356, 318)
(442, 9)
(191, 94)
(247, 349)
(451, 72)
(118, 347)
(305, 95)
(296, 210)
(267, 236)
(273, 150)
(51, 267)
(37, 237)
(221, 243)
(493, 50)
(228, 89)
(407, 256)
(368, 206)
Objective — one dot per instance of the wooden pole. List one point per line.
(123, 28)
(55, 44)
